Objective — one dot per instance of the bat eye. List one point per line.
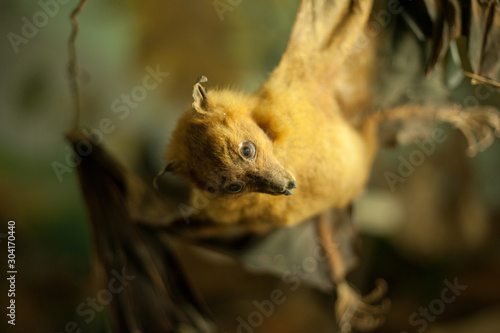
(235, 187)
(247, 150)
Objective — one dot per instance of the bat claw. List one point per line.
(479, 126)
(361, 313)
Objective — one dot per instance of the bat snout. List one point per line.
(274, 183)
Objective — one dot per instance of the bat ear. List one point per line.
(169, 167)
(200, 95)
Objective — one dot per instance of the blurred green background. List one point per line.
(442, 223)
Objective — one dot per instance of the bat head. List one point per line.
(219, 148)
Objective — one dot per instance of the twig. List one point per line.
(72, 65)
(482, 79)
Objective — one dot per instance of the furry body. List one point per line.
(308, 136)
(312, 125)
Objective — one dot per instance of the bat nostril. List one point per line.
(291, 185)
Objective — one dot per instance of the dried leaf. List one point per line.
(158, 297)
(447, 27)
(484, 38)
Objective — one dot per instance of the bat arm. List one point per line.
(323, 37)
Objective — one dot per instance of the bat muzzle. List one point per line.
(274, 183)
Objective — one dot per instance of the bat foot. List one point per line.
(355, 312)
(479, 125)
